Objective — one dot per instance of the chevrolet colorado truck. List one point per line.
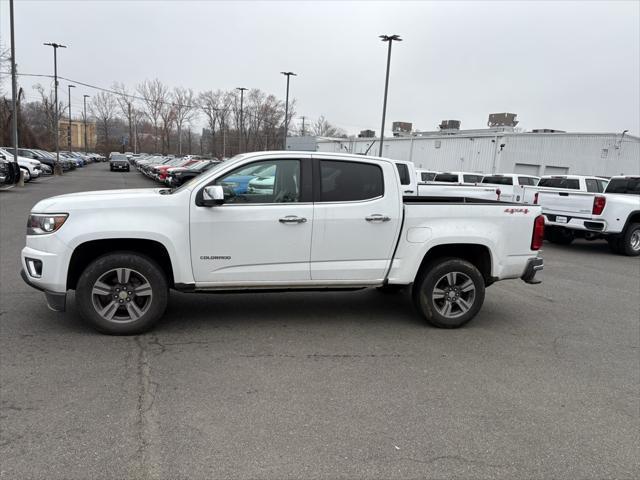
(330, 221)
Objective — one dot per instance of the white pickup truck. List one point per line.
(613, 214)
(331, 221)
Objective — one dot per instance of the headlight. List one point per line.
(40, 224)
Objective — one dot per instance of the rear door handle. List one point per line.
(292, 219)
(376, 217)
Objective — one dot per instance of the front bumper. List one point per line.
(55, 301)
(534, 265)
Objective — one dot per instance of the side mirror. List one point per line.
(212, 195)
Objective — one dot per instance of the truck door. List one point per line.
(356, 219)
(261, 235)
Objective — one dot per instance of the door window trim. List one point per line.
(305, 184)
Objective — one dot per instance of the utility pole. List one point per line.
(303, 132)
(69, 129)
(286, 110)
(240, 130)
(14, 89)
(135, 132)
(57, 168)
(86, 146)
(390, 39)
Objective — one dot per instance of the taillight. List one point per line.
(538, 233)
(535, 199)
(598, 204)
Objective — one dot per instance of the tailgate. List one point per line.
(566, 202)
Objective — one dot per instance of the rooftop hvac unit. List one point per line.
(502, 120)
(450, 125)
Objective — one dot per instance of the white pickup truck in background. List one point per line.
(331, 221)
(613, 215)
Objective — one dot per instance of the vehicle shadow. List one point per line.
(189, 311)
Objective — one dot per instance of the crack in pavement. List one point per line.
(147, 424)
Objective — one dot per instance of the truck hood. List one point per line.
(100, 199)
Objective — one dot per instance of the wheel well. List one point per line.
(477, 255)
(633, 218)
(89, 251)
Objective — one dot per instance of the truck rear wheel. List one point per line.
(122, 293)
(630, 241)
(449, 293)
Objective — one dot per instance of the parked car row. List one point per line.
(33, 163)
(172, 171)
(574, 206)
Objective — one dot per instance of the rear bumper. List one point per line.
(588, 224)
(55, 301)
(534, 266)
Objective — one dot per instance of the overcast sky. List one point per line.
(572, 66)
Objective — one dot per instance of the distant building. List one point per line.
(498, 150)
(77, 134)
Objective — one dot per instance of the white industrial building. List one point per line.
(497, 150)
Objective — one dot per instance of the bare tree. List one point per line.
(103, 107)
(184, 109)
(155, 95)
(210, 103)
(125, 102)
(322, 128)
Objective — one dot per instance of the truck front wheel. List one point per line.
(122, 293)
(449, 292)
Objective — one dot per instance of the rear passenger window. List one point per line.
(527, 181)
(602, 185)
(592, 185)
(349, 181)
(403, 170)
(472, 178)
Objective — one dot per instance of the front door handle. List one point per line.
(292, 219)
(376, 217)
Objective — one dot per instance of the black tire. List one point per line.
(433, 277)
(390, 289)
(133, 313)
(630, 240)
(561, 236)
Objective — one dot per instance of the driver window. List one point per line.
(270, 181)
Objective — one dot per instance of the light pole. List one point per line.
(69, 129)
(242, 89)
(389, 39)
(286, 110)
(86, 147)
(14, 90)
(56, 46)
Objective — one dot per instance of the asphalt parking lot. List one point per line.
(544, 383)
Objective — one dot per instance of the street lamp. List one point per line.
(286, 109)
(56, 46)
(85, 124)
(69, 130)
(390, 39)
(242, 89)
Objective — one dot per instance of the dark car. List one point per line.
(118, 161)
(9, 171)
(181, 175)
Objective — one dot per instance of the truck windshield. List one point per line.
(624, 185)
(498, 180)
